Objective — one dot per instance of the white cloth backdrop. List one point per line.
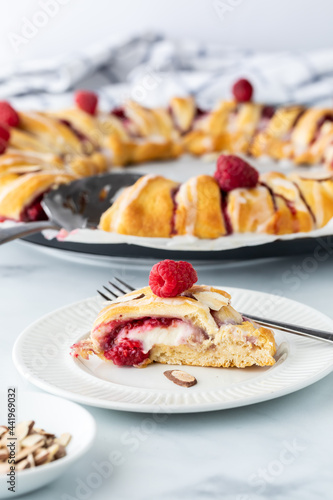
(151, 69)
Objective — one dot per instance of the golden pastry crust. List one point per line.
(183, 112)
(54, 133)
(199, 208)
(88, 165)
(150, 123)
(198, 142)
(239, 343)
(96, 128)
(318, 195)
(144, 209)
(300, 218)
(26, 161)
(250, 210)
(131, 152)
(24, 141)
(274, 140)
(24, 189)
(305, 133)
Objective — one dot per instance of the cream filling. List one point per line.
(171, 336)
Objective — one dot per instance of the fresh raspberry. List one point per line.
(242, 90)
(169, 278)
(87, 101)
(232, 172)
(127, 353)
(4, 133)
(8, 115)
(3, 145)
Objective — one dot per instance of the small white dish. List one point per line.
(42, 355)
(55, 415)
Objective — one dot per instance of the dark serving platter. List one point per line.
(275, 249)
(79, 204)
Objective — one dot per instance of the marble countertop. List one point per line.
(279, 449)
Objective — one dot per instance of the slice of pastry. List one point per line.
(183, 111)
(273, 137)
(140, 151)
(144, 209)
(196, 327)
(308, 138)
(299, 217)
(318, 195)
(20, 199)
(199, 208)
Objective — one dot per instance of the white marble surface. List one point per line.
(280, 449)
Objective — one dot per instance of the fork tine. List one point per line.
(104, 296)
(110, 291)
(125, 284)
(117, 288)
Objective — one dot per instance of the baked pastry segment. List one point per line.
(199, 328)
(199, 208)
(144, 209)
(21, 195)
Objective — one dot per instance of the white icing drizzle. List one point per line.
(191, 206)
(131, 194)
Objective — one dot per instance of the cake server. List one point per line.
(78, 204)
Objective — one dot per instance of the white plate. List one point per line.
(41, 354)
(55, 415)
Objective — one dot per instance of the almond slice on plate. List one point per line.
(181, 378)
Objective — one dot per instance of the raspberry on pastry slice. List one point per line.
(8, 115)
(86, 101)
(170, 278)
(242, 90)
(198, 327)
(20, 199)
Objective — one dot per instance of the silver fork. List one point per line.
(118, 291)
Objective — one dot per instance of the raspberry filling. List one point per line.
(76, 132)
(326, 118)
(34, 211)
(129, 343)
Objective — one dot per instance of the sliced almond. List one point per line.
(44, 433)
(52, 452)
(180, 378)
(23, 429)
(213, 300)
(61, 452)
(31, 460)
(49, 442)
(4, 468)
(26, 451)
(32, 440)
(24, 464)
(41, 456)
(4, 454)
(3, 430)
(64, 439)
